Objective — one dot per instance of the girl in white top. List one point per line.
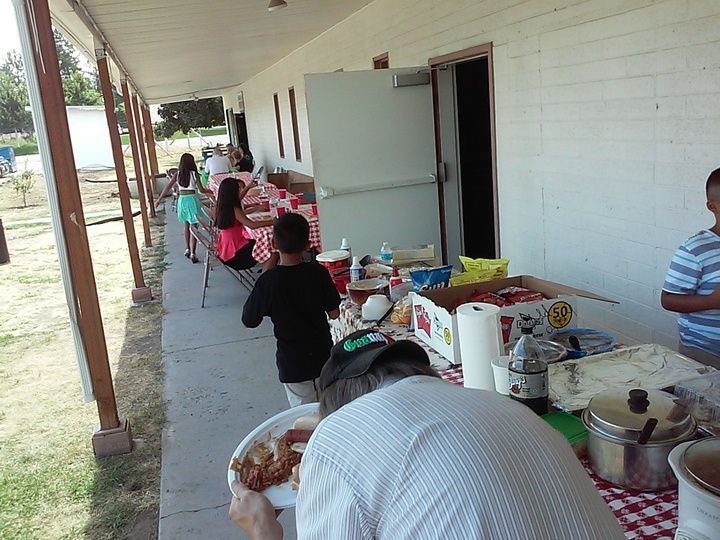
(189, 210)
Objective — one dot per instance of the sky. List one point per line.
(8, 28)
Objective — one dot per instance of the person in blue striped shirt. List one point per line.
(692, 286)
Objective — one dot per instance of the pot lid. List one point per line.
(638, 416)
(702, 461)
(333, 256)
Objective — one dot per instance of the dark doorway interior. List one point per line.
(242, 134)
(475, 158)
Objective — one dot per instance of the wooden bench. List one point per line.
(206, 234)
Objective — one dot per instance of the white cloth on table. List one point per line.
(427, 459)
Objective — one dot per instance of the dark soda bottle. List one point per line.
(528, 373)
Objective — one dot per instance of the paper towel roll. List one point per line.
(478, 325)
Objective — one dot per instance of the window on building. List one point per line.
(381, 61)
(294, 119)
(278, 124)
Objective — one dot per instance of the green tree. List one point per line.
(185, 115)
(68, 59)
(120, 109)
(81, 87)
(13, 96)
(79, 90)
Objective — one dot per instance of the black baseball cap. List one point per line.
(354, 355)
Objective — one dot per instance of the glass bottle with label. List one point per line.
(528, 373)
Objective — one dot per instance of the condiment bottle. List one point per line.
(345, 246)
(528, 373)
(356, 270)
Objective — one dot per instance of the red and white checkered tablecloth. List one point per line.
(644, 516)
(214, 181)
(263, 236)
(270, 192)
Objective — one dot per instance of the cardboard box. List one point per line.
(436, 324)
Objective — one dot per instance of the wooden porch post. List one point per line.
(114, 435)
(136, 161)
(140, 293)
(143, 157)
(150, 140)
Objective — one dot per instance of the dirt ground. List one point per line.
(51, 485)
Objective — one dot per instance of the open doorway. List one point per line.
(466, 149)
(241, 128)
(475, 158)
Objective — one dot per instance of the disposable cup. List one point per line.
(500, 372)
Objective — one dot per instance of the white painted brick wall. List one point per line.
(607, 126)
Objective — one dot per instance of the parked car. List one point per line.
(8, 154)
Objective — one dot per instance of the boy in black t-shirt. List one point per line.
(298, 297)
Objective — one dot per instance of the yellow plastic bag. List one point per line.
(480, 270)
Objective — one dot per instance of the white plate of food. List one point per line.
(264, 459)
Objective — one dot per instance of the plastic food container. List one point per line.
(581, 342)
(335, 259)
(572, 428)
(360, 291)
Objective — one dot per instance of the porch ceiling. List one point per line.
(174, 49)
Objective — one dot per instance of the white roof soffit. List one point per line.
(174, 50)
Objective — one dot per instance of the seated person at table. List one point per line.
(404, 455)
(247, 155)
(217, 163)
(234, 245)
(298, 297)
(692, 286)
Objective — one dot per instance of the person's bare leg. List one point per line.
(187, 239)
(271, 262)
(193, 247)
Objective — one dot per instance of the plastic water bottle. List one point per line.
(356, 270)
(386, 254)
(528, 373)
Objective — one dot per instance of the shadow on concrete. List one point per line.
(125, 502)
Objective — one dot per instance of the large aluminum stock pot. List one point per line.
(631, 435)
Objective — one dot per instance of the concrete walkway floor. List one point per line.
(220, 383)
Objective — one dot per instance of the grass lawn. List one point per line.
(205, 132)
(24, 147)
(51, 484)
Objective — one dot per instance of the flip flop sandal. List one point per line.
(194, 259)
(187, 253)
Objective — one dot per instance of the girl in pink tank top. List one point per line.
(234, 245)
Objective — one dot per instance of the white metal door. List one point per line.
(373, 151)
(449, 150)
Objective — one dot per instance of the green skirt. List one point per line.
(189, 209)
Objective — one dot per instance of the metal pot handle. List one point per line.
(647, 430)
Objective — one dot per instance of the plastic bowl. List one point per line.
(554, 352)
(360, 291)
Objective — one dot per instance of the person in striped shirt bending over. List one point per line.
(403, 455)
(692, 286)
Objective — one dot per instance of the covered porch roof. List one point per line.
(173, 50)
